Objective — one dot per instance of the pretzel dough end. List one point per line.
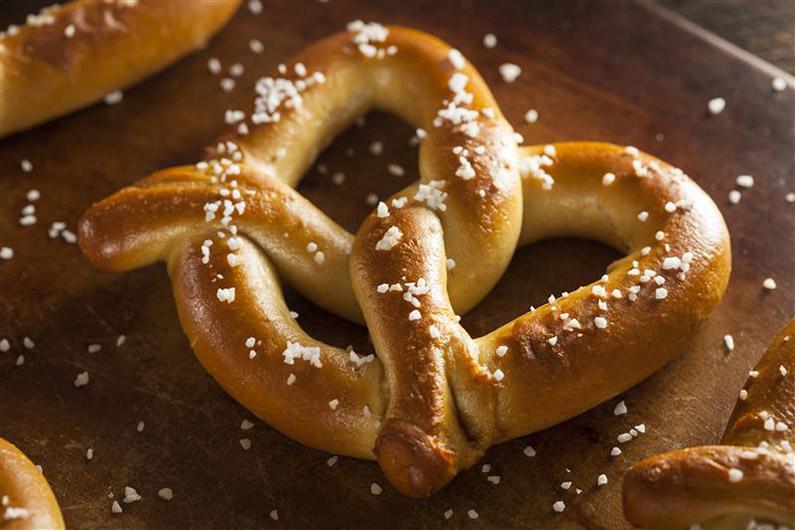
(412, 462)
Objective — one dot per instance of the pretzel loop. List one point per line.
(434, 398)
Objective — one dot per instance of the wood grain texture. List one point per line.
(614, 72)
(763, 27)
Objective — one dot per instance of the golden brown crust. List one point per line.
(750, 477)
(26, 500)
(284, 395)
(434, 399)
(86, 49)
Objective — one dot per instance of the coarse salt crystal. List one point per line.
(510, 72)
(716, 105)
(81, 379)
(165, 493)
(390, 239)
(745, 181)
(114, 97)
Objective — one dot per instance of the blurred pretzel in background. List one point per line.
(67, 57)
(748, 481)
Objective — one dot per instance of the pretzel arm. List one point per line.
(751, 477)
(140, 225)
(439, 416)
(576, 365)
(264, 384)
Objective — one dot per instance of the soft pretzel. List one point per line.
(26, 500)
(749, 477)
(432, 399)
(70, 56)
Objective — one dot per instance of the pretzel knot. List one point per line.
(431, 399)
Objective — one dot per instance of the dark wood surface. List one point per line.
(766, 28)
(615, 72)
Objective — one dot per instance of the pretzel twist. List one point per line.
(26, 500)
(749, 478)
(433, 399)
(69, 56)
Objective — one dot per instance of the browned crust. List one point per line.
(46, 74)
(22, 485)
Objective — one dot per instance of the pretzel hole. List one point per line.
(325, 326)
(345, 199)
(536, 271)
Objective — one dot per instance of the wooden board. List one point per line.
(617, 72)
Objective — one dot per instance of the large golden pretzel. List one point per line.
(748, 481)
(432, 399)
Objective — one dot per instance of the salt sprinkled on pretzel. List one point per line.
(432, 399)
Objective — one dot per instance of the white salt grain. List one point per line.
(716, 105)
(510, 72)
